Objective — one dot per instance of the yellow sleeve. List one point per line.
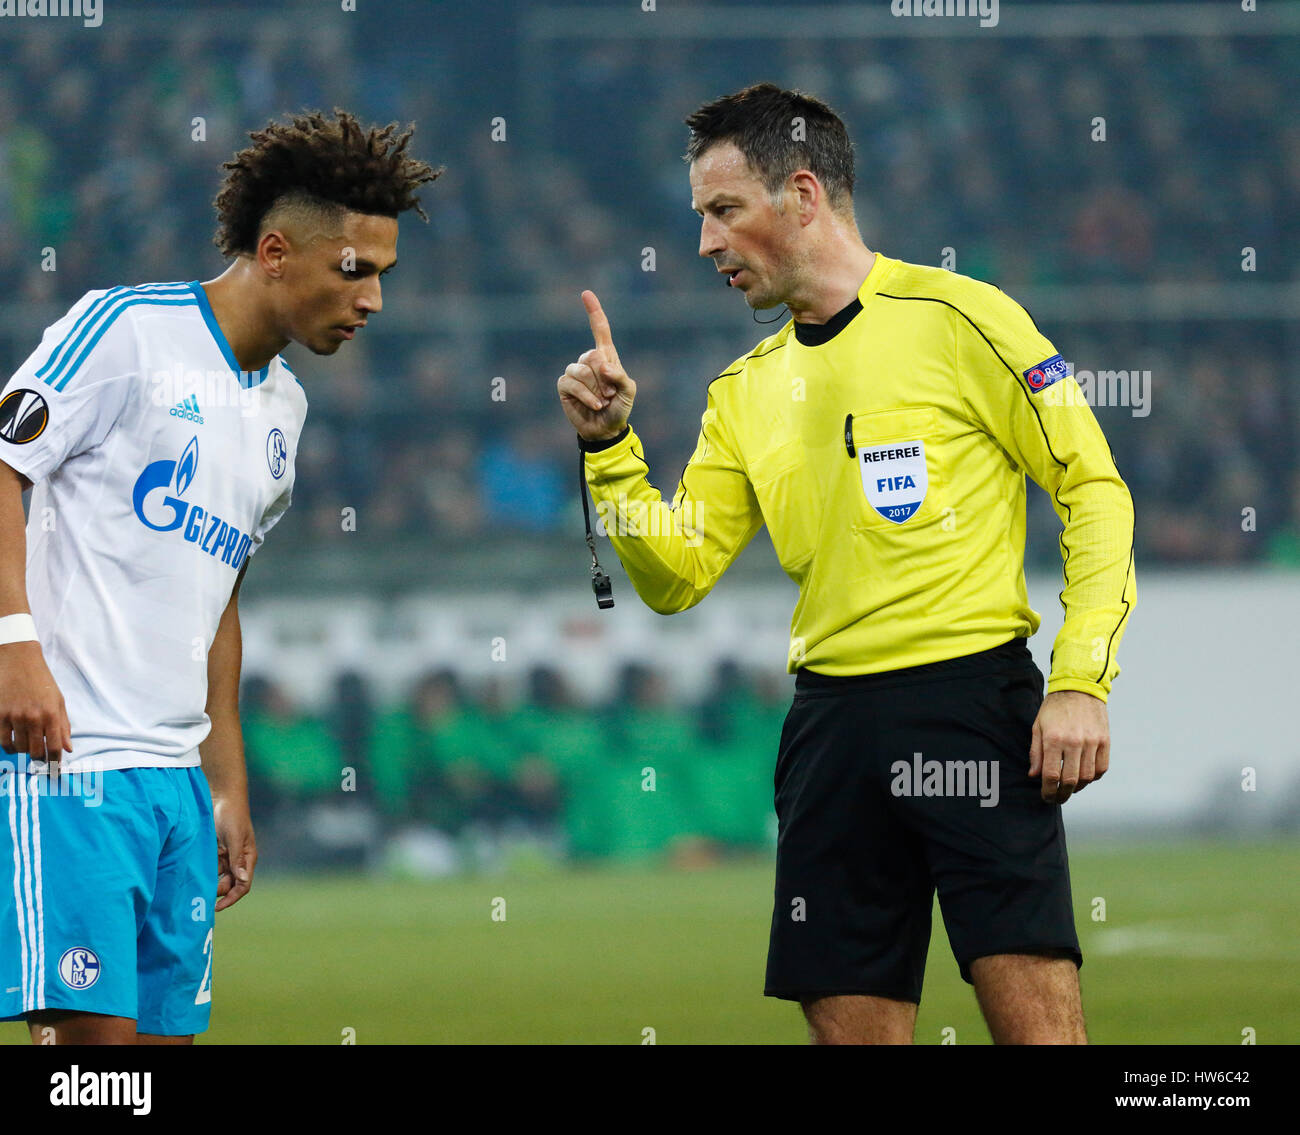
(675, 553)
(1042, 420)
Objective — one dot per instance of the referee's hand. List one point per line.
(596, 392)
(1071, 744)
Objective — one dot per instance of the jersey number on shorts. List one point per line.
(204, 994)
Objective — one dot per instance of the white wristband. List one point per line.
(17, 628)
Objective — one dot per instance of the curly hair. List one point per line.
(334, 164)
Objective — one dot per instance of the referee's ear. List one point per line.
(810, 195)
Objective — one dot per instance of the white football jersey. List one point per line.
(159, 467)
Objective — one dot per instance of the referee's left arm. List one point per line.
(1015, 384)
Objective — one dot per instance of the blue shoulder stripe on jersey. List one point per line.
(58, 358)
(288, 369)
(96, 308)
(214, 327)
(67, 358)
(153, 301)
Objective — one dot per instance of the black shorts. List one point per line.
(869, 829)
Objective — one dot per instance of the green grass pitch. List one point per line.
(1198, 944)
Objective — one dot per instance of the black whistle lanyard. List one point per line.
(600, 582)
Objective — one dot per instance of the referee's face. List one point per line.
(741, 231)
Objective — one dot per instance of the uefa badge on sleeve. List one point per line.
(1046, 373)
(894, 478)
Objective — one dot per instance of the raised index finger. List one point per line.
(599, 323)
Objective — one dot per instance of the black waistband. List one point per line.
(1005, 657)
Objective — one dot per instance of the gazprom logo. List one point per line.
(173, 513)
(189, 465)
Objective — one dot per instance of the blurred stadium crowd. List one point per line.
(450, 778)
(979, 144)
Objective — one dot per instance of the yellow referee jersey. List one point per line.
(886, 451)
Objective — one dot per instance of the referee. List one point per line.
(883, 434)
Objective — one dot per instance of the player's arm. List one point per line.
(222, 753)
(33, 718)
(62, 401)
(672, 553)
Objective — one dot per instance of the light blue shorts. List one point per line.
(107, 884)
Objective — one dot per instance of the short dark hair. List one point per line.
(760, 121)
(333, 164)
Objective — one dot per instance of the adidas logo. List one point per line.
(188, 409)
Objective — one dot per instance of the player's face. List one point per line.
(333, 281)
(750, 242)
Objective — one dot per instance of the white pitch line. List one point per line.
(1172, 940)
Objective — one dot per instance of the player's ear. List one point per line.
(272, 249)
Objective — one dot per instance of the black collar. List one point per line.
(815, 334)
